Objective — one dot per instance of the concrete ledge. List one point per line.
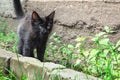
(69, 74)
(26, 66)
(4, 59)
(34, 69)
(52, 66)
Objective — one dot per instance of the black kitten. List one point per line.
(33, 31)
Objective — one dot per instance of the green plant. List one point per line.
(3, 26)
(103, 58)
(40, 74)
(8, 41)
(8, 38)
(10, 76)
(57, 48)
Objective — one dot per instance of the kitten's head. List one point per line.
(42, 25)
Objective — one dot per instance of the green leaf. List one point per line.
(85, 53)
(80, 39)
(97, 36)
(117, 44)
(119, 49)
(53, 35)
(77, 62)
(107, 29)
(77, 45)
(104, 54)
(104, 41)
(100, 34)
(93, 53)
(70, 46)
(95, 39)
(106, 51)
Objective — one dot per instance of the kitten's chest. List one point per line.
(37, 40)
(40, 41)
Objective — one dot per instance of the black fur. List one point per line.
(33, 32)
(18, 9)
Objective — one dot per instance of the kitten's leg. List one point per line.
(28, 49)
(40, 52)
(31, 52)
(20, 46)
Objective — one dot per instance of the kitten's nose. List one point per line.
(45, 32)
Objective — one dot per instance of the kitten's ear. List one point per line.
(51, 16)
(35, 16)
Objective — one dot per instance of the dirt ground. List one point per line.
(77, 19)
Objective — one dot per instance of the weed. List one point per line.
(102, 59)
(8, 40)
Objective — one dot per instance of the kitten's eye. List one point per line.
(48, 27)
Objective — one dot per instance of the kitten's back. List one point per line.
(24, 25)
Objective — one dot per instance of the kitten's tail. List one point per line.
(18, 9)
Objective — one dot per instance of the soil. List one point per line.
(76, 18)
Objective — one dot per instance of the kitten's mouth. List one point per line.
(43, 34)
(46, 33)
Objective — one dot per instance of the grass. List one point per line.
(102, 59)
(10, 76)
(8, 38)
